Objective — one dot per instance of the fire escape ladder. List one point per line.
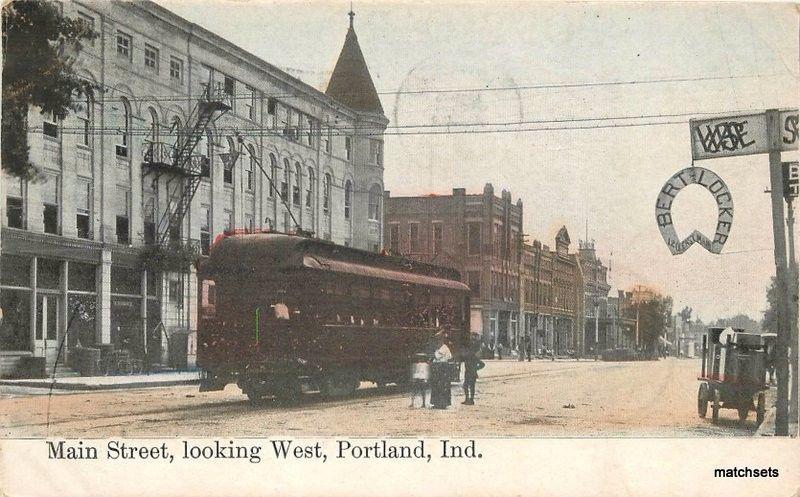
(186, 167)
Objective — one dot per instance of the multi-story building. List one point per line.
(551, 297)
(478, 234)
(596, 289)
(276, 154)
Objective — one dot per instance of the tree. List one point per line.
(770, 321)
(654, 317)
(37, 71)
(742, 321)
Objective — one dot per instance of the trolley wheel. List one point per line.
(743, 412)
(702, 400)
(715, 406)
(761, 408)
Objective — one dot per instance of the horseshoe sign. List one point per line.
(714, 184)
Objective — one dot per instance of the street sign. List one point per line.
(791, 180)
(711, 182)
(740, 135)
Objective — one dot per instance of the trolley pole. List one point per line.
(779, 235)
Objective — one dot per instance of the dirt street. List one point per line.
(536, 399)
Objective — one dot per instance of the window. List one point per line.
(298, 172)
(348, 198)
(348, 146)
(124, 46)
(151, 57)
(229, 86)
(205, 229)
(375, 203)
(124, 130)
(89, 20)
(474, 239)
(249, 177)
(272, 112)
(176, 291)
(249, 103)
(84, 117)
(394, 239)
(326, 138)
(285, 182)
(50, 201)
(273, 170)
(326, 193)
(15, 213)
(227, 168)
(149, 218)
(123, 201)
(202, 149)
(413, 236)
(376, 151)
(228, 220)
(83, 197)
(49, 125)
(474, 282)
(310, 189)
(176, 69)
(438, 235)
(310, 132)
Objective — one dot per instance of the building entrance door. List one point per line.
(45, 342)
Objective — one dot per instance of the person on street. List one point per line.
(499, 350)
(440, 375)
(420, 375)
(472, 364)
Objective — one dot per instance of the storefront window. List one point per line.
(48, 273)
(125, 281)
(15, 333)
(81, 277)
(15, 270)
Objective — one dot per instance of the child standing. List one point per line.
(420, 374)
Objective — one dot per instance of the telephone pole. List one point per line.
(793, 300)
(779, 235)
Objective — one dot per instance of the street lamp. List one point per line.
(596, 327)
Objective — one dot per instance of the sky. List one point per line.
(563, 63)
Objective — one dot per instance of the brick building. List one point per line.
(596, 288)
(478, 234)
(108, 191)
(551, 296)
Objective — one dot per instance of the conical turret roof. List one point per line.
(351, 83)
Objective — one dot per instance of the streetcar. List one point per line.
(282, 314)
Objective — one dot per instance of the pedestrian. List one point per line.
(420, 375)
(440, 375)
(472, 364)
(528, 346)
(499, 350)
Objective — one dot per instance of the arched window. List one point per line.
(273, 169)
(298, 172)
(125, 129)
(348, 198)
(250, 179)
(375, 202)
(285, 182)
(310, 189)
(326, 193)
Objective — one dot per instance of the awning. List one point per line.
(325, 264)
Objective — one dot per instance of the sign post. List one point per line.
(779, 234)
(770, 132)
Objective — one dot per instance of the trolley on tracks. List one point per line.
(284, 314)
(733, 373)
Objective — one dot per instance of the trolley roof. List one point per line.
(265, 253)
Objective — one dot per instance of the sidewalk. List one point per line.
(767, 428)
(111, 382)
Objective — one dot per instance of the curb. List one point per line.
(111, 386)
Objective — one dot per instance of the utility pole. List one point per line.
(793, 301)
(596, 327)
(779, 235)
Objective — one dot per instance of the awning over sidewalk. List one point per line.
(355, 269)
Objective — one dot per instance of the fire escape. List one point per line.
(180, 165)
